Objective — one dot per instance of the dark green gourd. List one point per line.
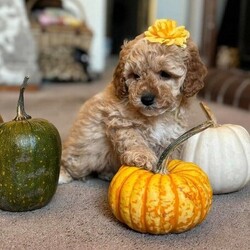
(30, 152)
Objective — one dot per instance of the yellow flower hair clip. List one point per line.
(164, 31)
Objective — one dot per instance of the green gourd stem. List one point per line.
(161, 166)
(21, 114)
(208, 112)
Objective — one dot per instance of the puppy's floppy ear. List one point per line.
(118, 77)
(196, 71)
(119, 80)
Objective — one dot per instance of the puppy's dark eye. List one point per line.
(134, 76)
(165, 75)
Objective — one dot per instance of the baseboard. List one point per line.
(30, 87)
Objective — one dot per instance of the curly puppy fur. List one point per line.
(139, 113)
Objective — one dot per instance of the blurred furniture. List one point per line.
(226, 52)
(63, 48)
(231, 35)
(230, 87)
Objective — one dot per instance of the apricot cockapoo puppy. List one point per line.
(141, 111)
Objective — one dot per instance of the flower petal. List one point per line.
(166, 32)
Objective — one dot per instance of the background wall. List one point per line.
(173, 9)
(96, 18)
(188, 13)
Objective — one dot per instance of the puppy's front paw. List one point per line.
(140, 158)
(64, 176)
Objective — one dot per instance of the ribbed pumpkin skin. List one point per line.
(161, 203)
(29, 164)
(223, 152)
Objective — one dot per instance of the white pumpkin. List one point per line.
(223, 152)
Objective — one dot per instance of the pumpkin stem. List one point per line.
(161, 165)
(1, 119)
(21, 114)
(208, 112)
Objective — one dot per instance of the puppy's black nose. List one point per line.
(148, 99)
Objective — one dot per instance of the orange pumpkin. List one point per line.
(161, 202)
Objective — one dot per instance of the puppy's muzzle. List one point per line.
(148, 99)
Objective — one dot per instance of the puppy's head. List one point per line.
(155, 78)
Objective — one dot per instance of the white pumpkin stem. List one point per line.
(208, 112)
(21, 114)
(161, 165)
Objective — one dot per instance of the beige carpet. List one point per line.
(78, 217)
